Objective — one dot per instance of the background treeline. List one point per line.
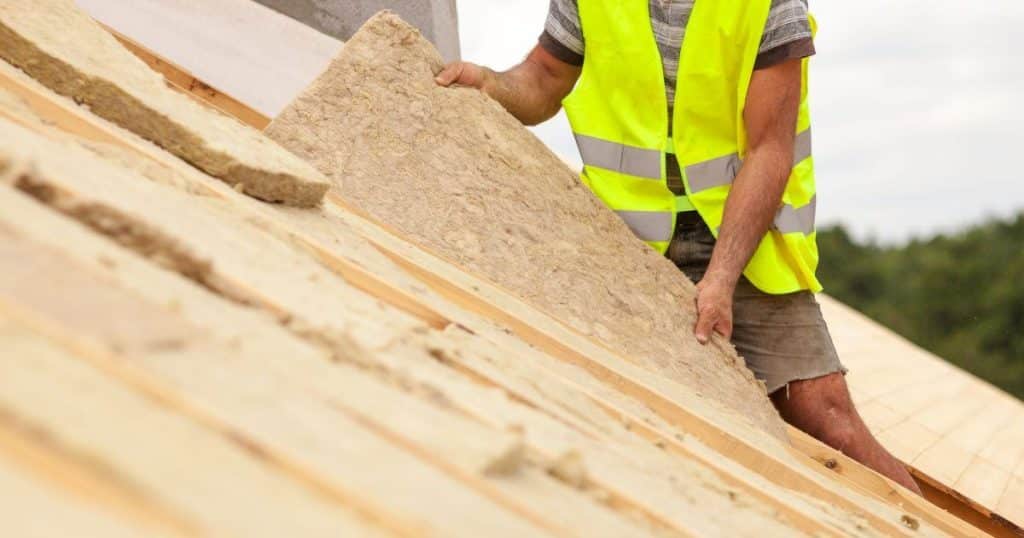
(960, 296)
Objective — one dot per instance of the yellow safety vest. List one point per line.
(618, 113)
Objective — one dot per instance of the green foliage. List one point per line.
(960, 296)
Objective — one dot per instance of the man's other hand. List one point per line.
(531, 91)
(464, 74)
(714, 309)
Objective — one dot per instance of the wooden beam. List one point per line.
(831, 462)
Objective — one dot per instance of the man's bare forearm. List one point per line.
(770, 115)
(750, 211)
(521, 90)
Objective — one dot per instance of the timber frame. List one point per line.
(483, 299)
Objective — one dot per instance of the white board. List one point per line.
(250, 52)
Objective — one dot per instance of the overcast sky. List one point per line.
(917, 120)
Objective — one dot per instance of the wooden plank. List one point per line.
(907, 440)
(833, 461)
(66, 50)
(33, 510)
(154, 454)
(963, 508)
(918, 396)
(606, 417)
(523, 372)
(878, 416)
(273, 417)
(1006, 449)
(947, 460)
(983, 482)
(947, 415)
(1012, 501)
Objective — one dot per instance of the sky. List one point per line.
(917, 124)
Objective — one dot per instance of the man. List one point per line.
(692, 122)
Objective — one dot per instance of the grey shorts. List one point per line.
(782, 338)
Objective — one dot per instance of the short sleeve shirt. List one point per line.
(787, 34)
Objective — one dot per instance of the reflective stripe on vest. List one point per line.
(657, 225)
(629, 160)
(646, 163)
(649, 225)
(791, 219)
(722, 170)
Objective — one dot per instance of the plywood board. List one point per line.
(25, 499)
(66, 50)
(941, 420)
(155, 454)
(225, 44)
(490, 197)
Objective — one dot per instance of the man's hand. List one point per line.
(531, 91)
(465, 74)
(714, 309)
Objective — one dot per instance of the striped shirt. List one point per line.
(787, 34)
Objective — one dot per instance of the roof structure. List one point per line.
(204, 363)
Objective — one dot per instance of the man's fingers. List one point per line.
(450, 74)
(707, 320)
(724, 328)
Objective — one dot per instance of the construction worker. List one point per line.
(691, 117)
